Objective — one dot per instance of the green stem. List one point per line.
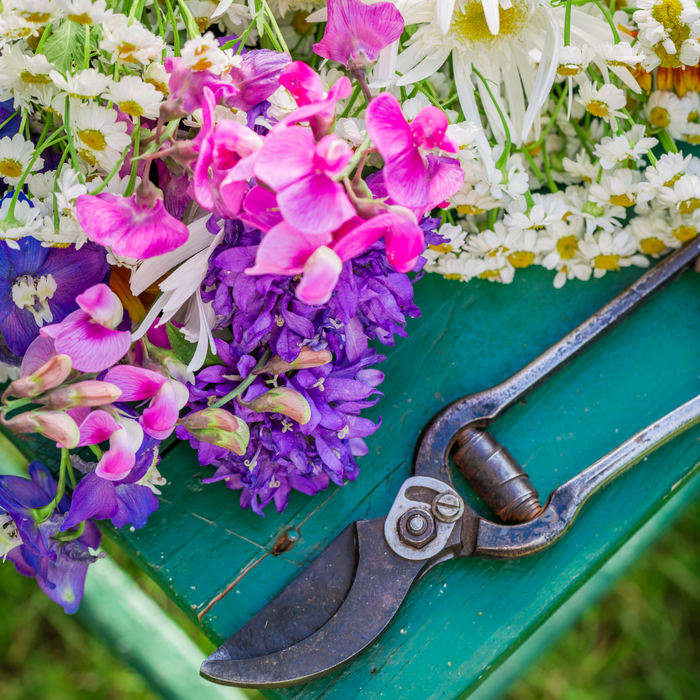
(9, 119)
(275, 26)
(134, 165)
(71, 534)
(45, 35)
(583, 137)
(533, 165)
(96, 451)
(609, 19)
(506, 150)
(241, 38)
(86, 53)
(173, 24)
(667, 142)
(553, 119)
(71, 146)
(353, 99)
(567, 24)
(245, 383)
(112, 173)
(188, 17)
(47, 511)
(17, 403)
(356, 158)
(550, 182)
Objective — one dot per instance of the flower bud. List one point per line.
(307, 358)
(54, 425)
(174, 366)
(49, 375)
(284, 400)
(88, 393)
(218, 427)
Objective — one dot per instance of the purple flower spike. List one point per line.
(356, 32)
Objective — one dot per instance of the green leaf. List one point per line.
(185, 350)
(66, 45)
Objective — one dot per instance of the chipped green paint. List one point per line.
(463, 619)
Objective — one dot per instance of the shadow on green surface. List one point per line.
(641, 642)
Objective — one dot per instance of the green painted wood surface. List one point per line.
(466, 616)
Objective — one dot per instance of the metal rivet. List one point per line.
(417, 524)
(447, 507)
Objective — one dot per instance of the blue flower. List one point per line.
(38, 286)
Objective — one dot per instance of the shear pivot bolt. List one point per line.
(417, 525)
(447, 507)
(416, 528)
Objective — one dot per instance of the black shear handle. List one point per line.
(480, 410)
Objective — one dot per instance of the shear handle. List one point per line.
(515, 541)
(480, 410)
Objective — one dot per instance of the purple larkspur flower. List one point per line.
(39, 285)
(59, 565)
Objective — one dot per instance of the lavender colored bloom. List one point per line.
(39, 285)
(59, 565)
(128, 501)
(371, 301)
(256, 78)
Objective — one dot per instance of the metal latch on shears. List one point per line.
(347, 596)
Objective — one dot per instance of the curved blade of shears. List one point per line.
(292, 650)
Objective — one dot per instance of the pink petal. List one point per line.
(90, 346)
(429, 129)
(79, 414)
(323, 110)
(97, 427)
(303, 83)
(360, 238)
(321, 274)
(445, 178)
(332, 155)
(315, 204)
(260, 209)
(387, 126)
(39, 352)
(102, 304)
(158, 420)
(120, 459)
(101, 216)
(286, 157)
(136, 383)
(406, 180)
(404, 243)
(284, 251)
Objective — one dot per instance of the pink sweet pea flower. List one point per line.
(305, 86)
(225, 163)
(400, 144)
(133, 227)
(167, 396)
(357, 32)
(125, 437)
(286, 251)
(89, 336)
(300, 171)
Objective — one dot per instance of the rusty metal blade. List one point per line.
(381, 582)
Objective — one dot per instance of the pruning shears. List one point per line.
(344, 599)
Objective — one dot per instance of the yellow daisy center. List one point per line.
(684, 233)
(203, 23)
(469, 210)
(10, 168)
(689, 206)
(692, 138)
(31, 79)
(37, 17)
(621, 200)
(161, 87)
(301, 26)
(83, 19)
(606, 262)
(567, 246)
(569, 70)
(668, 13)
(469, 24)
(93, 139)
(673, 180)
(131, 107)
(521, 258)
(453, 276)
(125, 50)
(87, 156)
(442, 248)
(597, 108)
(489, 274)
(652, 246)
(660, 117)
(693, 116)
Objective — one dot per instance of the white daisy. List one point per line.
(468, 202)
(130, 43)
(603, 103)
(100, 138)
(560, 243)
(691, 106)
(452, 267)
(620, 188)
(684, 227)
(621, 55)
(15, 155)
(512, 183)
(203, 53)
(546, 211)
(607, 252)
(667, 170)
(156, 75)
(652, 235)
(501, 58)
(582, 167)
(37, 13)
(26, 221)
(574, 60)
(21, 74)
(632, 144)
(665, 111)
(86, 12)
(352, 131)
(669, 30)
(14, 28)
(683, 196)
(605, 216)
(135, 97)
(85, 84)
(465, 135)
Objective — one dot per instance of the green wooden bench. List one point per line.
(469, 626)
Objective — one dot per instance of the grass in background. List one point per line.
(641, 642)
